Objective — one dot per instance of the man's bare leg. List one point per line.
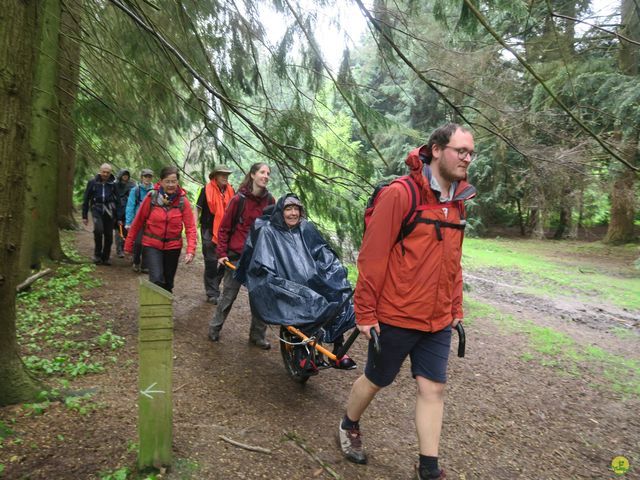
(362, 392)
(429, 414)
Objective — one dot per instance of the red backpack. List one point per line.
(412, 218)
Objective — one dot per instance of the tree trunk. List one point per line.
(17, 30)
(622, 209)
(521, 220)
(40, 238)
(623, 194)
(69, 64)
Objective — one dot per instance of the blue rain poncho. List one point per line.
(295, 278)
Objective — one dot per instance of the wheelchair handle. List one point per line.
(462, 340)
(376, 340)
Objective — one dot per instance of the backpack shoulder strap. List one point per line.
(237, 217)
(414, 197)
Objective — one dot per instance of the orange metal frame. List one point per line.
(297, 332)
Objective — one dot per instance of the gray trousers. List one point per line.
(212, 275)
(231, 287)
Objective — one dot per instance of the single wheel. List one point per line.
(289, 356)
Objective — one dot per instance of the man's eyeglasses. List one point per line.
(463, 152)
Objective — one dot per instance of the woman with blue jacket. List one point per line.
(136, 196)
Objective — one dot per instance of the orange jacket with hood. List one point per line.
(421, 287)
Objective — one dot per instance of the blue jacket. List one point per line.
(100, 197)
(136, 196)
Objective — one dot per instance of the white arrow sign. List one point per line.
(147, 391)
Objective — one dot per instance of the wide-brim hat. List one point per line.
(223, 169)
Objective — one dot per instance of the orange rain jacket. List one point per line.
(422, 288)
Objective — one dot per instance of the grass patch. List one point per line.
(554, 349)
(543, 272)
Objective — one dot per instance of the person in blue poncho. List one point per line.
(294, 277)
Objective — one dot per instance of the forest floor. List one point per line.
(549, 387)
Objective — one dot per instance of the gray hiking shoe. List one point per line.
(260, 343)
(440, 475)
(351, 444)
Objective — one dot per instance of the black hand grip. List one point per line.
(462, 340)
(376, 340)
(347, 345)
(376, 346)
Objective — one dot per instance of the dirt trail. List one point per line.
(505, 417)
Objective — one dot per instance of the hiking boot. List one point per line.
(136, 267)
(214, 336)
(260, 343)
(120, 254)
(351, 444)
(213, 300)
(97, 260)
(441, 475)
(106, 262)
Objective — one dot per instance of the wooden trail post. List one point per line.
(155, 350)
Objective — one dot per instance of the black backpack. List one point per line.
(237, 217)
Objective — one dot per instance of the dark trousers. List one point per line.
(162, 265)
(257, 330)
(120, 240)
(212, 274)
(137, 250)
(102, 235)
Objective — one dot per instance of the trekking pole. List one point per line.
(121, 233)
(462, 340)
(229, 264)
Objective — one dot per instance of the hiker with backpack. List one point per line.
(163, 214)
(100, 198)
(124, 184)
(211, 204)
(243, 210)
(409, 287)
(136, 196)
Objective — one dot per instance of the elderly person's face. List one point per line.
(291, 215)
(147, 179)
(170, 183)
(105, 173)
(222, 179)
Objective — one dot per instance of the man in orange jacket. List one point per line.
(409, 289)
(212, 202)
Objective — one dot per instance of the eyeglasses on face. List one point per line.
(463, 152)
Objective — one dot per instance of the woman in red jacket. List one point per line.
(242, 211)
(161, 216)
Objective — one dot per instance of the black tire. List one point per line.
(288, 356)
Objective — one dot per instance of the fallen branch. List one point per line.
(298, 442)
(27, 283)
(245, 446)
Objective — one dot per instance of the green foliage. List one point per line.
(121, 473)
(54, 325)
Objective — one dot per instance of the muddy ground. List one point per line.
(507, 415)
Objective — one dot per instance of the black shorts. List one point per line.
(429, 353)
